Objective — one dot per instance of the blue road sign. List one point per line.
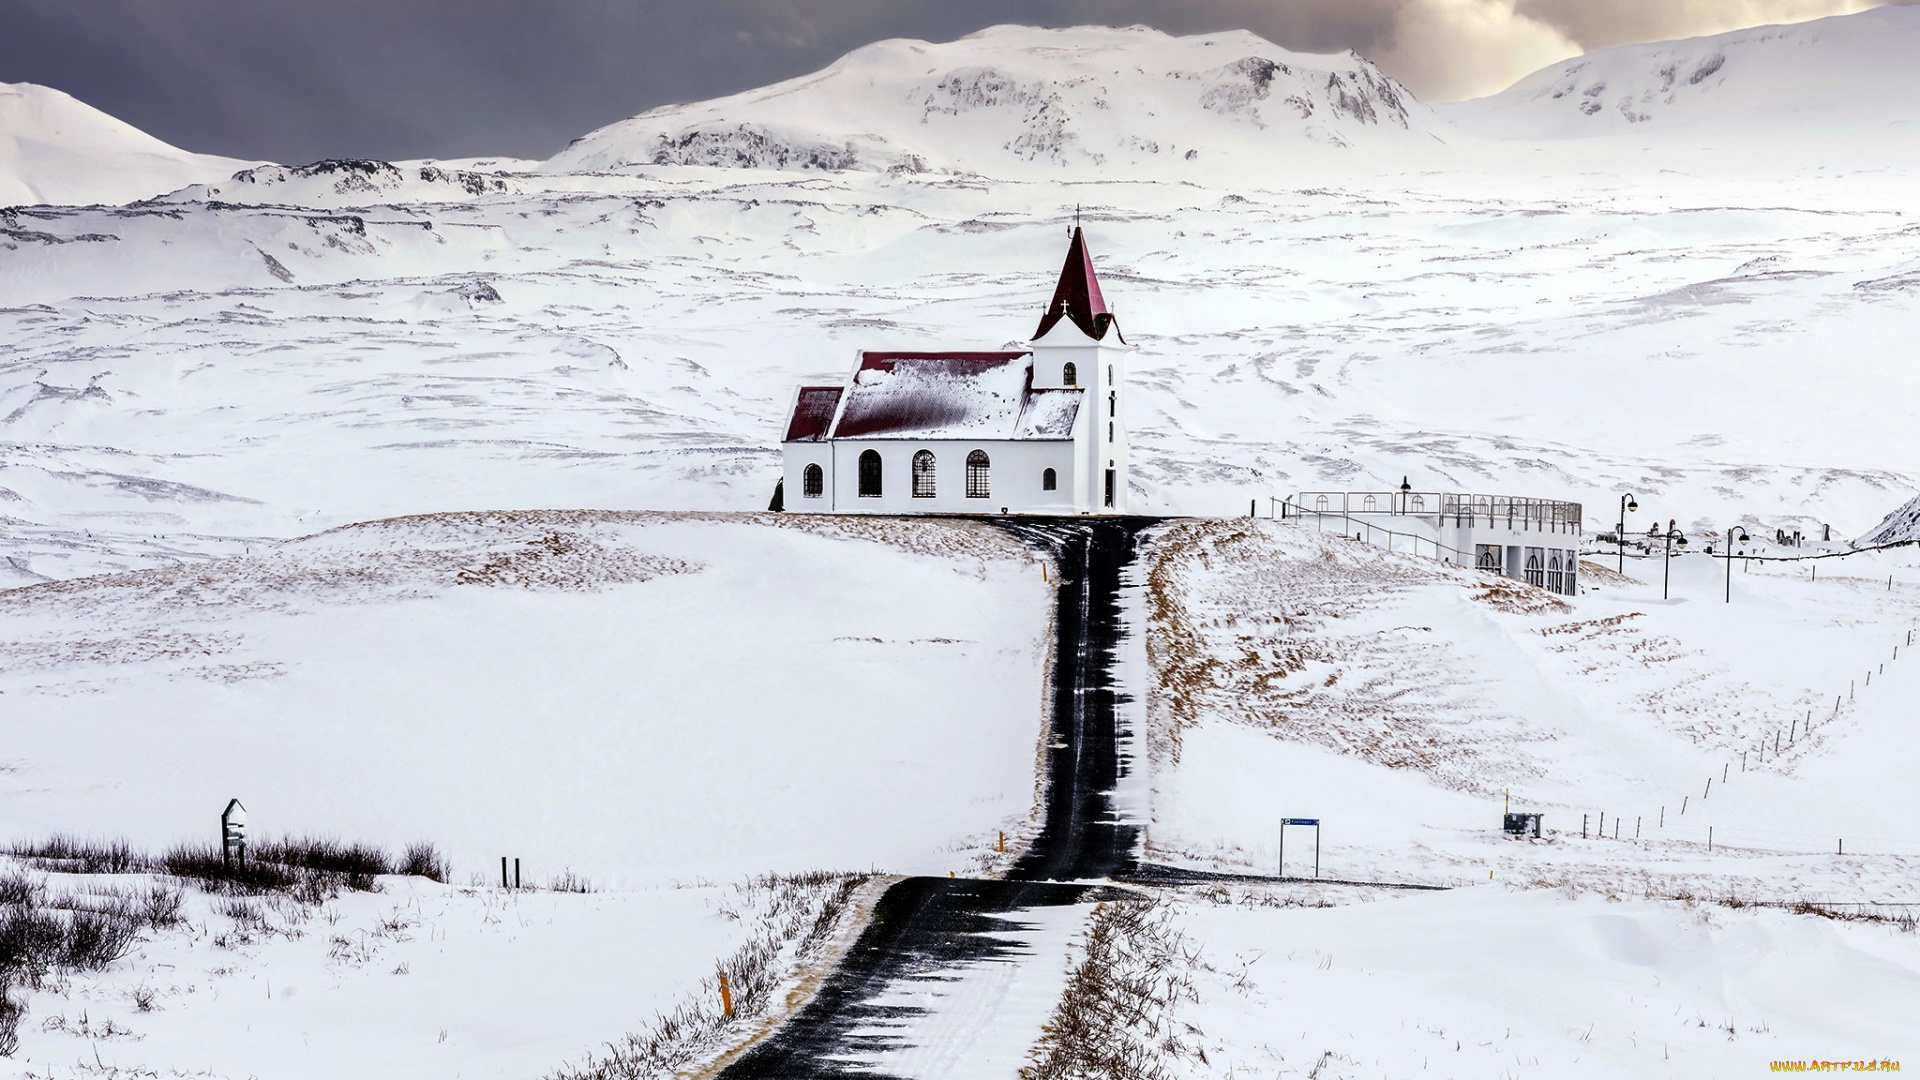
(1300, 821)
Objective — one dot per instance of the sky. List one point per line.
(301, 80)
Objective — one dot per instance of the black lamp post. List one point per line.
(1732, 540)
(1404, 489)
(1672, 537)
(1626, 504)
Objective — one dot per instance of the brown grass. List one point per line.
(1277, 628)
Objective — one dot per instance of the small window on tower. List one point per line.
(1049, 480)
(1070, 375)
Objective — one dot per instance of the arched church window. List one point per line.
(813, 482)
(977, 475)
(869, 474)
(1320, 503)
(1049, 480)
(1070, 375)
(1370, 503)
(1534, 575)
(1419, 503)
(923, 475)
(1488, 557)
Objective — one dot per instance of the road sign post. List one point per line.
(1284, 822)
(233, 833)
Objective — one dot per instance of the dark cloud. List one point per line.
(297, 80)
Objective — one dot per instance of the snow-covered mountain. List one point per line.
(56, 149)
(1014, 99)
(1844, 75)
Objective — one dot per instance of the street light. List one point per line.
(1672, 537)
(1405, 487)
(1626, 504)
(1732, 540)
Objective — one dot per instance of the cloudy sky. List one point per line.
(300, 80)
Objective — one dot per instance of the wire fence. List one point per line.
(1686, 822)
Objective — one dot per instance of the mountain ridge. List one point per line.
(1840, 75)
(1017, 100)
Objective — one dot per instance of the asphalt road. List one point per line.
(923, 926)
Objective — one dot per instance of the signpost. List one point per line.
(233, 833)
(1313, 821)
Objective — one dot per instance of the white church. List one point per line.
(1032, 431)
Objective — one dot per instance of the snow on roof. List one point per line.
(813, 410)
(1049, 414)
(951, 395)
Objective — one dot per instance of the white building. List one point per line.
(1531, 540)
(1030, 431)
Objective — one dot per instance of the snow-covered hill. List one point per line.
(1902, 524)
(1849, 75)
(56, 149)
(356, 182)
(1013, 100)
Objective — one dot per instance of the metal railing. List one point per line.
(1461, 510)
(1367, 532)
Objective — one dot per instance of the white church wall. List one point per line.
(1099, 369)
(1015, 478)
(796, 456)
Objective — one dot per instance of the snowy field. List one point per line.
(1489, 981)
(1402, 700)
(634, 698)
(662, 705)
(1564, 337)
(417, 979)
(1398, 701)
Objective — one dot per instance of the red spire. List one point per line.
(1077, 297)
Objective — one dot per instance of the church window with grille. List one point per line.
(869, 474)
(923, 475)
(978, 468)
(813, 482)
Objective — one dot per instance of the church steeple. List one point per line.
(1077, 297)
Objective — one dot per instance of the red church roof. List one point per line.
(813, 411)
(1077, 297)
